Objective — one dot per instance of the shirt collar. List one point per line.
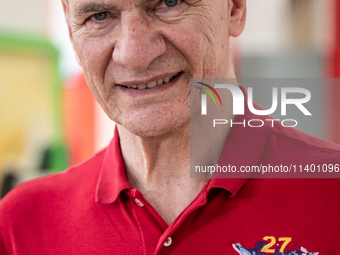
(244, 146)
(112, 179)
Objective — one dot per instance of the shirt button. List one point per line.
(168, 242)
(138, 202)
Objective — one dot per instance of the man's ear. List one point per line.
(65, 9)
(237, 17)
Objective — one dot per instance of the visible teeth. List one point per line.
(152, 84)
(142, 86)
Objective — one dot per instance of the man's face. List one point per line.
(138, 56)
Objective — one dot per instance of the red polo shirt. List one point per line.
(92, 209)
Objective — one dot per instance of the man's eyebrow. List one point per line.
(84, 8)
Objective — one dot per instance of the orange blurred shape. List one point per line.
(79, 113)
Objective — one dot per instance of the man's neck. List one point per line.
(151, 161)
(159, 167)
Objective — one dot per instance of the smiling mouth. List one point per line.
(152, 84)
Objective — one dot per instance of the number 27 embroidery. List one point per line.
(267, 247)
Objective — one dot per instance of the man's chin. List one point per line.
(153, 128)
(149, 130)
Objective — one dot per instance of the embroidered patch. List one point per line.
(270, 246)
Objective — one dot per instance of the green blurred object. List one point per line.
(59, 160)
(38, 46)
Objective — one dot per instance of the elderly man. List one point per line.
(136, 196)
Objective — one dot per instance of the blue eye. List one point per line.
(171, 3)
(100, 16)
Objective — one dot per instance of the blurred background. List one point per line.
(49, 119)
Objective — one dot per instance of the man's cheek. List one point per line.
(91, 59)
(186, 40)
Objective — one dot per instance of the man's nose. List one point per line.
(139, 42)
